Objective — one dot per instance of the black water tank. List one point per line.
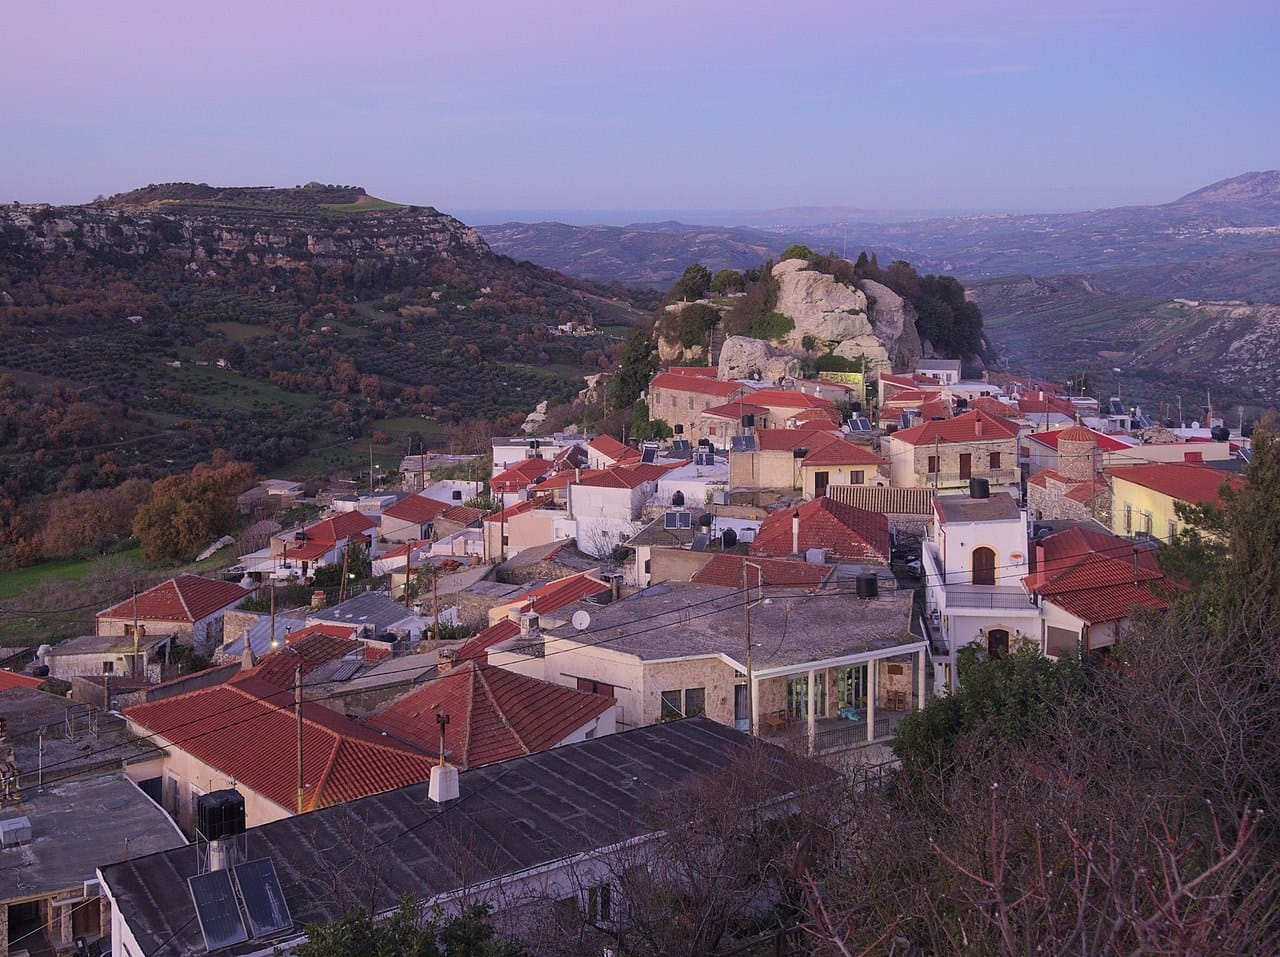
(866, 585)
(40, 671)
(979, 488)
(677, 498)
(678, 429)
(855, 407)
(1220, 433)
(705, 520)
(220, 814)
(800, 452)
(729, 538)
(749, 421)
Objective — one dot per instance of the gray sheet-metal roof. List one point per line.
(510, 817)
(374, 609)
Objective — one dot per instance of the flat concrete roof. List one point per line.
(97, 742)
(1000, 506)
(77, 826)
(788, 627)
(105, 644)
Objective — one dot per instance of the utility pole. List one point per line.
(297, 711)
(342, 587)
(408, 571)
(271, 639)
(435, 605)
(134, 668)
(746, 640)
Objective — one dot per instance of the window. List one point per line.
(671, 705)
(820, 482)
(592, 686)
(1128, 519)
(1060, 641)
(933, 465)
(600, 904)
(1173, 531)
(457, 495)
(994, 464)
(695, 701)
(856, 477)
(108, 667)
(1146, 524)
(798, 697)
(683, 704)
(690, 403)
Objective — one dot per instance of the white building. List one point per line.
(974, 561)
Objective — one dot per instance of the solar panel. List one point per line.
(345, 671)
(681, 445)
(704, 458)
(742, 443)
(649, 456)
(700, 541)
(263, 899)
(216, 909)
(1116, 407)
(860, 425)
(669, 521)
(685, 519)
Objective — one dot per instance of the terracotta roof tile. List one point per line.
(341, 527)
(415, 508)
(246, 730)
(734, 410)
(885, 500)
(786, 440)
(308, 647)
(970, 427)
(187, 598)
(519, 508)
(701, 385)
(726, 569)
(463, 515)
(845, 532)
(1187, 482)
(521, 475)
(841, 452)
(494, 715)
(610, 447)
(11, 679)
(1106, 443)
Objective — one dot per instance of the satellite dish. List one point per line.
(581, 620)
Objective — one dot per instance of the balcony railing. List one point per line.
(955, 479)
(986, 596)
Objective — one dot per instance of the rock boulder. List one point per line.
(745, 358)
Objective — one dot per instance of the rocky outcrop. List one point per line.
(744, 358)
(894, 321)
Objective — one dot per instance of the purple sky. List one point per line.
(649, 105)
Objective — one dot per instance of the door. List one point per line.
(997, 643)
(851, 687)
(966, 464)
(820, 482)
(740, 719)
(984, 566)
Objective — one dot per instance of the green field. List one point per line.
(365, 204)
(15, 582)
(240, 331)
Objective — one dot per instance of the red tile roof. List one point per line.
(986, 403)
(246, 730)
(786, 399)
(829, 417)
(702, 385)
(847, 533)
(463, 515)
(786, 440)
(1038, 405)
(11, 679)
(1185, 481)
(476, 648)
(1095, 576)
(611, 448)
(309, 648)
(309, 551)
(494, 715)
(417, 509)
(708, 372)
(628, 476)
(1106, 443)
(574, 457)
(544, 599)
(187, 599)
(341, 527)
(841, 452)
(519, 508)
(726, 570)
(521, 475)
(734, 410)
(970, 427)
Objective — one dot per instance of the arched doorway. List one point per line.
(997, 642)
(984, 566)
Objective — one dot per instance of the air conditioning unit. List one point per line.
(92, 889)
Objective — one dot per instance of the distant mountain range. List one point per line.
(1237, 216)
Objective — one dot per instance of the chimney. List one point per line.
(795, 532)
(615, 586)
(446, 661)
(444, 777)
(528, 625)
(977, 427)
(317, 598)
(246, 657)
